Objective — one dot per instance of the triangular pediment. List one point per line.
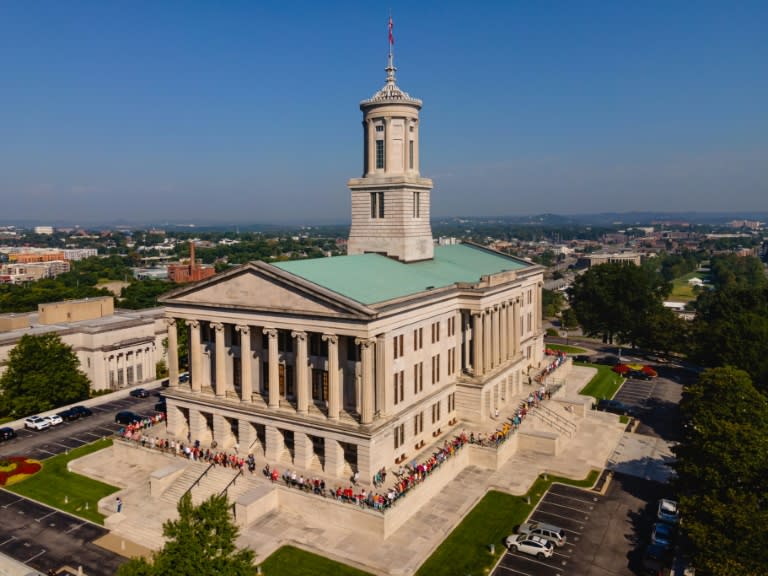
(260, 287)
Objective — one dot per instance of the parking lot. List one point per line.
(42, 444)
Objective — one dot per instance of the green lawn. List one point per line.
(604, 384)
(290, 561)
(56, 486)
(566, 349)
(682, 291)
(467, 548)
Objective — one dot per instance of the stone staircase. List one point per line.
(214, 482)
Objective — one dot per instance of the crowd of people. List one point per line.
(558, 359)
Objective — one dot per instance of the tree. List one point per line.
(617, 300)
(42, 373)
(201, 542)
(722, 473)
(551, 302)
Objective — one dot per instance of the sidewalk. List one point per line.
(141, 520)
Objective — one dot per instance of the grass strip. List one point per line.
(291, 561)
(59, 488)
(604, 384)
(466, 551)
(567, 349)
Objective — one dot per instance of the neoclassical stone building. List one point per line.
(356, 362)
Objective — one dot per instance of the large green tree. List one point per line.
(200, 543)
(731, 328)
(42, 373)
(617, 300)
(722, 473)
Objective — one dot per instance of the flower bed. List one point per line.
(15, 468)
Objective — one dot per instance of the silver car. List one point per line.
(548, 532)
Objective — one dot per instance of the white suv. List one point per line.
(36, 423)
(533, 545)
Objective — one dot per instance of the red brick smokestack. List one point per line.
(191, 258)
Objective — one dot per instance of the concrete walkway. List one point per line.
(138, 527)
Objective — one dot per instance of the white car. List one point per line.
(54, 419)
(36, 423)
(533, 545)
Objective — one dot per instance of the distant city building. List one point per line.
(27, 255)
(597, 258)
(193, 271)
(20, 273)
(43, 229)
(751, 224)
(73, 254)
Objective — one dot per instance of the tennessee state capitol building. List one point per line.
(354, 363)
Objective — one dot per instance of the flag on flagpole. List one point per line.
(391, 36)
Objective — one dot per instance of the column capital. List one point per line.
(477, 313)
(244, 329)
(496, 306)
(365, 342)
(193, 323)
(299, 335)
(504, 304)
(170, 321)
(218, 326)
(330, 338)
(271, 332)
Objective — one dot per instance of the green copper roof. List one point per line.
(371, 278)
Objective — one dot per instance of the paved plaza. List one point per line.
(138, 528)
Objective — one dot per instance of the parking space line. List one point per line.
(75, 528)
(585, 501)
(12, 503)
(47, 452)
(533, 560)
(568, 507)
(586, 518)
(11, 539)
(76, 439)
(51, 513)
(512, 570)
(28, 560)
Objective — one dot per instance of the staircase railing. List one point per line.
(560, 419)
(231, 482)
(199, 478)
(552, 422)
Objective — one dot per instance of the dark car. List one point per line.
(638, 375)
(615, 407)
(81, 411)
(127, 417)
(69, 415)
(7, 433)
(655, 559)
(184, 377)
(139, 393)
(161, 407)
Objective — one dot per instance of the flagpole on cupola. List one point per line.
(390, 59)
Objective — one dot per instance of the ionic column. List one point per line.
(302, 391)
(371, 151)
(487, 340)
(387, 142)
(366, 368)
(416, 146)
(196, 375)
(495, 336)
(334, 390)
(274, 390)
(477, 342)
(246, 381)
(173, 352)
(221, 368)
(504, 342)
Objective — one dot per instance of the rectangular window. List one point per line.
(435, 368)
(319, 385)
(451, 361)
(410, 154)
(399, 435)
(451, 402)
(436, 412)
(399, 386)
(418, 377)
(380, 154)
(418, 339)
(418, 423)
(377, 204)
(417, 204)
(398, 345)
(435, 332)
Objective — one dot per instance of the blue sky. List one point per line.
(238, 112)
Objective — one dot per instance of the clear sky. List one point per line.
(239, 112)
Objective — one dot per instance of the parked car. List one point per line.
(663, 534)
(533, 545)
(616, 407)
(161, 406)
(7, 433)
(36, 423)
(549, 532)
(126, 417)
(184, 377)
(655, 558)
(139, 393)
(81, 411)
(54, 419)
(668, 511)
(638, 375)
